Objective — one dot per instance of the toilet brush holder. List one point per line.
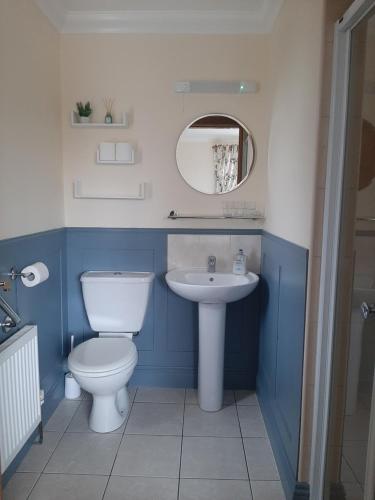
(72, 389)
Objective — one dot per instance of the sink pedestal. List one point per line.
(211, 356)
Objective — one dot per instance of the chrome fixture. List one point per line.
(367, 310)
(211, 264)
(173, 214)
(13, 274)
(12, 319)
(366, 219)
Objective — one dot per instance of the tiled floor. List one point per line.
(168, 449)
(353, 465)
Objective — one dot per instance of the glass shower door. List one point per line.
(350, 473)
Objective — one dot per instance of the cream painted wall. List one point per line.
(296, 52)
(30, 129)
(139, 72)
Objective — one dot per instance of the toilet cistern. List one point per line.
(211, 264)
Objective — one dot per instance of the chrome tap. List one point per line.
(211, 264)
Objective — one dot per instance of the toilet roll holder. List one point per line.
(13, 274)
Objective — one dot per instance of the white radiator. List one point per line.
(20, 408)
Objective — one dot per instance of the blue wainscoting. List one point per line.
(270, 321)
(167, 345)
(42, 305)
(282, 327)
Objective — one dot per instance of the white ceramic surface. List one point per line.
(116, 304)
(213, 291)
(210, 288)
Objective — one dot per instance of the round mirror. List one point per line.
(215, 154)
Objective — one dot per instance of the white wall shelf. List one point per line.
(78, 193)
(75, 122)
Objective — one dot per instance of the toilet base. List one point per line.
(109, 412)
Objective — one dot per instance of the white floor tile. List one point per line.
(246, 398)
(69, 487)
(141, 488)
(20, 485)
(356, 427)
(39, 454)
(213, 458)
(223, 423)
(251, 421)
(79, 453)
(346, 475)
(160, 395)
(192, 397)
(267, 490)
(62, 416)
(156, 419)
(260, 460)
(212, 489)
(80, 421)
(353, 491)
(153, 456)
(355, 454)
(75, 462)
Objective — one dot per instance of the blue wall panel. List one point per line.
(43, 306)
(167, 345)
(282, 327)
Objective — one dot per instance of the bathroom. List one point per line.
(158, 68)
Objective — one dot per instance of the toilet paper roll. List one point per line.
(39, 273)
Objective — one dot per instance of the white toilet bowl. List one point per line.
(102, 367)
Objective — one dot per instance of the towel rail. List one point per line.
(366, 219)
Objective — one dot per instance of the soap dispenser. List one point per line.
(239, 263)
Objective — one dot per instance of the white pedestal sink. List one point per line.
(213, 291)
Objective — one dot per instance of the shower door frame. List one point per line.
(331, 238)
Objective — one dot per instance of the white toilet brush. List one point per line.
(72, 389)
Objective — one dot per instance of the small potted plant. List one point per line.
(84, 112)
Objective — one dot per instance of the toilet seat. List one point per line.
(99, 357)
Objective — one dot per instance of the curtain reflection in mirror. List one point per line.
(226, 166)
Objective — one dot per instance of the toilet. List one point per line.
(116, 304)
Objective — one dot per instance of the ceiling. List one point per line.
(162, 16)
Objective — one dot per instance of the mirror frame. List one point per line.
(250, 134)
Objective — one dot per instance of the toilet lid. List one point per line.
(100, 355)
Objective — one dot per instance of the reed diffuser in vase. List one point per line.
(108, 104)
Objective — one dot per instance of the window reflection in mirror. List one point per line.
(215, 154)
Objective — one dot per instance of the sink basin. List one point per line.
(211, 288)
(212, 291)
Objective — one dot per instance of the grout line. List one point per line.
(182, 440)
(37, 480)
(57, 444)
(343, 457)
(121, 440)
(244, 451)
